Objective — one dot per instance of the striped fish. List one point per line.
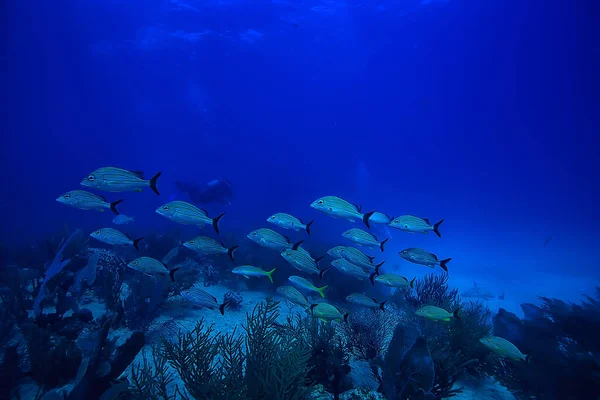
(380, 218)
(307, 285)
(87, 201)
(365, 301)
(437, 313)
(422, 257)
(270, 239)
(248, 270)
(390, 280)
(113, 236)
(112, 179)
(327, 312)
(503, 348)
(347, 268)
(188, 214)
(302, 261)
(202, 298)
(151, 267)
(410, 223)
(292, 294)
(287, 221)
(357, 257)
(340, 208)
(206, 245)
(363, 238)
(336, 252)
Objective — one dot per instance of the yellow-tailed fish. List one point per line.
(365, 301)
(151, 267)
(380, 218)
(188, 214)
(436, 313)
(206, 245)
(364, 238)
(410, 223)
(302, 261)
(306, 284)
(327, 312)
(270, 239)
(292, 294)
(200, 297)
(422, 257)
(248, 271)
(347, 268)
(112, 179)
(340, 208)
(113, 236)
(390, 280)
(87, 201)
(287, 221)
(503, 348)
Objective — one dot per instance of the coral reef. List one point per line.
(233, 300)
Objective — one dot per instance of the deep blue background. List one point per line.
(485, 113)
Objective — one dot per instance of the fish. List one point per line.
(248, 271)
(422, 257)
(113, 179)
(356, 257)
(151, 266)
(340, 208)
(302, 261)
(347, 268)
(410, 223)
(270, 239)
(503, 348)
(390, 280)
(188, 214)
(365, 301)
(306, 284)
(88, 201)
(292, 294)
(436, 313)
(336, 251)
(363, 238)
(380, 218)
(202, 298)
(122, 219)
(287, 221)
(113, 236)
(206, 245)
(327, 312)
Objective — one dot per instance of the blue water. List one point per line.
(483, 113)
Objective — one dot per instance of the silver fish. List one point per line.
(188, 214)
(503, 348)
(206, 245)
(306, 284)
(151, 266)
(391, 280)
(122, 219)
(346, 267)
(363, 238)
(365, 301)
(327, 312)
(337, 251)
(113, 236)
(292, 294)
(287, 221)
(357, 257)
(87, 201)
(422, 257)
(248, 271)
(112, 179)
(202, 298)
(302, 261)
(437, 313)
(270, 239)
(380, 218)
(410, 223)
(340, 208)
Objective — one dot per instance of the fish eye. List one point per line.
(342, 250)
(404, 252)
(134, 263)
(253, 233)
(273, 217)
(406, 226)
(97, 232)
(191, 242)
(397, 221)
(166, 208)
(320, 202)
(91, 178)
(67, 196)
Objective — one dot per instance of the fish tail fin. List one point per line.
(322, 272)
(443, 264)
(455, 313)
(366, 217)
(230, 252)
(312, 306)
(172, 273)
(153, 182)
(113, 206)
(412, 283)
(346, 317)
(372, 278)
(317, 260)
(270, 273)
(321, 291)
(308, 227)
(222, 308)
(297, 244)
(382, 305)
(215, 222)
(436, 228)
(378, 266)
(382, 243)
(136, 243)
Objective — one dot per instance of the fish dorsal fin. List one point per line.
(203, 210)
(221, 243)
(138, 173)
(374, 299)
(371, 258)
(426, 220)
(102, 197)
(359, 208)
(287, 238)
(128, 237)
(434, 256)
